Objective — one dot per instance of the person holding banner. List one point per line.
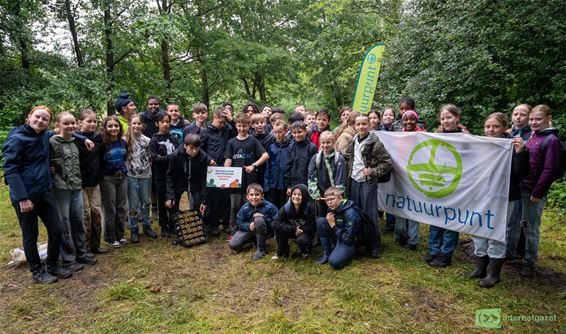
(544, 147)
(492, 252)
(442, 242)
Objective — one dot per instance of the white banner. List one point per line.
(455, 181)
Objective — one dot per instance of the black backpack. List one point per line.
(562, 158)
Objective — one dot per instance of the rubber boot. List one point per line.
(326, 250)
(261, 247)
(493, 275)
(481, 267)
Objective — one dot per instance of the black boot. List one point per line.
(326, 250)
(493, 275)
(481, 267)
(149, 232)
(442, 261)
(41, 276)
(134, 237)
(261, 247)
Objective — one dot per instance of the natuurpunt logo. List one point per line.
(435, 168)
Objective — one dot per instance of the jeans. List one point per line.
(44, 208)
(114, 192)
(407, 229)
(139, 202)
(514, 228)
(442, 241)
(240, 239)
(532, 213)
(342, 253)
(92, 207)
(70, 209)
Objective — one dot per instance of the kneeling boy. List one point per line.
(253, 222)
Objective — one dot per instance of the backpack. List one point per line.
(562, 158)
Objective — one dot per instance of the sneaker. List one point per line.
(165, 232)
(134, 238)
(87, 260)
(258, 255)
(275, 257)
(73, 267)
(429, 258)
(149, 232)
(100, 250)
(41, 276)
(58, 271)
(441, 261)
(305, 255)
(528, 270)
(116, 244)
(123, 241)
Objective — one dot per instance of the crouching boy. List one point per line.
(341, 226)
(253, 222)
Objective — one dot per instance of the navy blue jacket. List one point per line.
(149, 120)
(288, 219)
(213, 141)
(245, 216)
(275, 166)
(296, 168)
(348, 226)
(186, 173)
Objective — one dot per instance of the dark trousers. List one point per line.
(218, 207)
(277, 196)
(304, 242)
(241, 239)
(165, 222)
(342, 253)
(44, 208)
(364, 195)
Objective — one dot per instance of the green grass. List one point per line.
(153, 287)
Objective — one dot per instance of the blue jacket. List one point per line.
(296, 168)
(348, 223)
(245, 216)
(213, 141)
(275, 166)
(26, 162)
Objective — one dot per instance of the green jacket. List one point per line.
(374, 155)
(64, 158)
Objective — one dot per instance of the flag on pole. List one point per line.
(367, 79)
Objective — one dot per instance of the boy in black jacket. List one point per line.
(213, 139)
(300, 154)
(187, 172)
(161, 146)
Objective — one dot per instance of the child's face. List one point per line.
(267, 111)
(152, 105)
(322, 122)
(310, 120)
(388, 116)
(259, 126)
(113, 129)
(333, 201)
(539, 121)
(39, 120)
(403, 107)
(249, 111)
(136, 126)
(299, 134)
(67, 125)
(300, 109)
(410, 123)
(200, 116)
(164, 124)
(448, 121)
(242, 128)
(362, 126)
(88, 124)
(296, 196)
(219, 122)
(373, 120)
(191, 150)
(173, 112)
(493, 128)
(254, 197)
(520, 117)
(327, 144)
(344, 116)
(280, 133)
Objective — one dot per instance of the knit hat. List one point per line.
(122, 101)
(410, 113)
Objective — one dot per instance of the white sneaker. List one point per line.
(116, 244)
(275, 257)
(123, 241)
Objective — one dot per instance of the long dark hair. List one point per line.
(105, 136)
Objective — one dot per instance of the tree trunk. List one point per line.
(73, 30)
(165, 63)
(109, 58)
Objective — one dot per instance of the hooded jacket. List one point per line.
(149, 120)
(246, 213)
(64, 157)
(177, 129)
(374, 155)
(186, 173)
(275, 166)
(213, 141)
(348, 223)
(297, 165)
(288, 219)
(544, 164)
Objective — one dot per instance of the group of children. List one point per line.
(300, 181)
